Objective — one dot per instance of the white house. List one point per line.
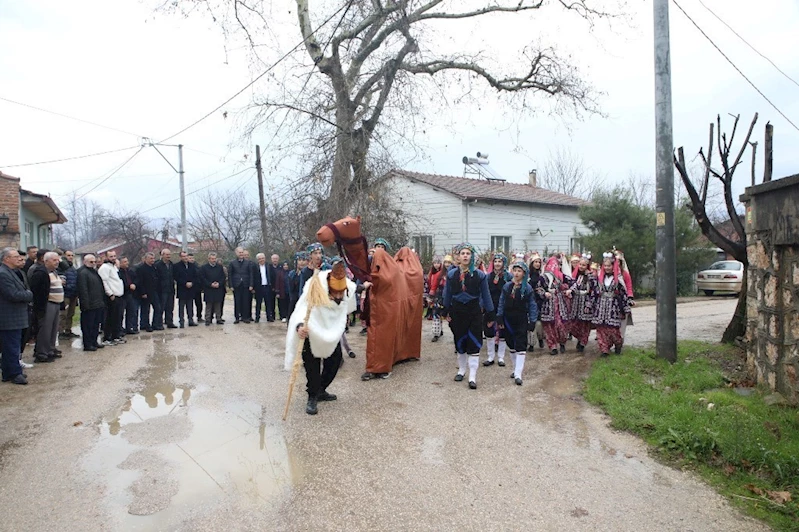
(490, 214)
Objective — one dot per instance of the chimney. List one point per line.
(533, 175)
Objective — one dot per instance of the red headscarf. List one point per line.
(553, 267)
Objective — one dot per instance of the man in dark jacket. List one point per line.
(242, 281)
(186, 279)
(165, 270)
(14, 299)
(48, 294)
(67, 269)
(129, 319)
(31, 260)
(198, 289)
(92, 302)
(148, 292)
(213, 281)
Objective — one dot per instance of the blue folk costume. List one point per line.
(466, 298)
(517, 313)
(494, 334)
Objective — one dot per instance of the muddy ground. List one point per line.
(181, 430)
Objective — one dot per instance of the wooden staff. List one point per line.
(315, 297)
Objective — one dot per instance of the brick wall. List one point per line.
(9, 205)
(772, 299)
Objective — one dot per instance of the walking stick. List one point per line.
(315, 297)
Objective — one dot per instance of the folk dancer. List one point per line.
(628, 284)
(466, 298)
(495, 335)
(536, 269)
(581, 290)
(437, 281)
(554, 312)
(321, 336)
(611, 306)
(517, 314)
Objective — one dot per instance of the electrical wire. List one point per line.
(112, 174)
(258, 77)
(68, 158)
(734, 65)
(69, 117)
(749, 45)
(198, 190)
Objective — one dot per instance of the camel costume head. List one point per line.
(348, 228)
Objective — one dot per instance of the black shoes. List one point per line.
(19, 379)
(562, 348)
(171, 326)
(237, 321)
(324, 396)
(310, 408)
(518, 381)
(604, 355)
(363, 332)
(351, 354)
(220, 322)
(90, 348)
(617, 350)
(435, 338)
(489, 363)
(458, 377)
(472, 385)
(501, 363)
(181, 325)
(367, 376)
(541, 343)
(580, 347)
(149, 329)
(553, 352)
(161, 328)
(42, 359)
(192, 324)
(207, 323)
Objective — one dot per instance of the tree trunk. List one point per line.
(737, 326)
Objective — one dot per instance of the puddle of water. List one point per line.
(164, 458)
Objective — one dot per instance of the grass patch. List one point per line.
(745, 448)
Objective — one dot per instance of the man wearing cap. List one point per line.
(321, 351)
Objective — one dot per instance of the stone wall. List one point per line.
(772, 309)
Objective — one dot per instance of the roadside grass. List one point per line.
(746, 449)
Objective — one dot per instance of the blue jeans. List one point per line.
(10, 343)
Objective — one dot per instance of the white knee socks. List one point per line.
(501, 351)
(462, 362)
(519, 367)
(474, 361)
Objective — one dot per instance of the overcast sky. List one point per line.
(150, 74)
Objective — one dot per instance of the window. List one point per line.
(423, 244)
(727, 265)
(44, 237)
(500, 243)
(575, 245)
(28, 234)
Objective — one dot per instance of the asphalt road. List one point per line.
(181, 431)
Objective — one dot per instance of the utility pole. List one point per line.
(182, 198)
(665, 245)
(262, 212)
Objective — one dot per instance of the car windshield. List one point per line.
(726, 265)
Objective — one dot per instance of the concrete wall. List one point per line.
(772, 299)
(451, 220)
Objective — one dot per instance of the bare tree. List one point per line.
(85, 222)
(698, 202)
(372, 65)
(225, 221)
(566, 172)
(131, 228)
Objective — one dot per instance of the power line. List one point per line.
(255, 80)
(118, 168)
(199, 189)
(735, 66)
(68, 158)
(749, 45)
(69, 117)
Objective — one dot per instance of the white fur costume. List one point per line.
(326, 325)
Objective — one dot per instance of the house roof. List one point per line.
(9, 177)
(42, 206)
(98, 246)
(468, 188)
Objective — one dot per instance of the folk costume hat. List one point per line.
(313, 247)
(501, 256)
(448, 258)
(383, 242)
(466, 245)
(525, 280)
(553, 266)
(609, 255)
(337, 280)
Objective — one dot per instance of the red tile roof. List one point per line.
(480, 189)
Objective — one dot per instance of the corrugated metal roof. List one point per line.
(479, 189)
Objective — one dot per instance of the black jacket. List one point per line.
(149, 284)
(39, 280)
(271, 272)
(14, 299)
(186, 273)
(211, 274)
(166, 276)
(129, 277)
(90, 289)
(240, 274)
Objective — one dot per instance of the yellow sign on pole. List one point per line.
(661, 219)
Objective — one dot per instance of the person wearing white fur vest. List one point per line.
(321, 335)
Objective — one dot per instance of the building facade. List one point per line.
(492, 215)
(30, 216)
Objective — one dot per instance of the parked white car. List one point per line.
(722, 276)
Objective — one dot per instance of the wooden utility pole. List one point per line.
(769, 153)
(262, 211)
